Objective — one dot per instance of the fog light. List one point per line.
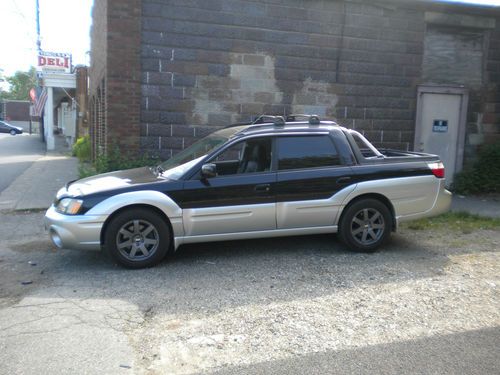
(56, 239)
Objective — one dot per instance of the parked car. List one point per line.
(8, 128)
(267, 179)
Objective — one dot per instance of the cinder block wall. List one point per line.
(213, 62)
(170, 71)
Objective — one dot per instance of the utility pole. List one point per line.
(38, 42)
(39, 49)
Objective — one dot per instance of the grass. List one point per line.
(86, 169)
(456, 221)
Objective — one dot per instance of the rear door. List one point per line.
(240, 198)
(310, 172)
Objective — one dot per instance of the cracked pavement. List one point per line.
(427, 303)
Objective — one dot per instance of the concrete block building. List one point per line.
(422, 75)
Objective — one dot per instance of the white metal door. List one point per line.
(439, 128)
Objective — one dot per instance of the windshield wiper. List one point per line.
(158, 170)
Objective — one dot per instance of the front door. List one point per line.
(239, 199)
(440, 127)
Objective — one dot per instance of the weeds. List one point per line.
(455, 221)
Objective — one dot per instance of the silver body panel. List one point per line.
(411, 197)
(229, 219)
(311, 213)
(408, 195)
(81, 232)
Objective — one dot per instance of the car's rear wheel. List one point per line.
(12, 132)
(137, 238)
(365, 225)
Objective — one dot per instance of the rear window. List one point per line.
(298, 152)
(364, 146)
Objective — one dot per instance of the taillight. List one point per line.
(437, 169)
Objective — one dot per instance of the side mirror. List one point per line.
(208, 170)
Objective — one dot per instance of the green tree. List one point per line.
(20, 85)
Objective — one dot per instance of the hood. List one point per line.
(111, 181)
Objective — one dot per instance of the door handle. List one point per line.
(262, 188)
(344, 180)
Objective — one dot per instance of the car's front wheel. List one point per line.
(12, 132)
(365, 225)
(137, 238)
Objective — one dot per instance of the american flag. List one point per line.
(39, 104)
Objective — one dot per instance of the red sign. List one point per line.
(54, 62)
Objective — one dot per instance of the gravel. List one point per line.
(231, 307)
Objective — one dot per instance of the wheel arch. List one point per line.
(377, 196)
(162, 214)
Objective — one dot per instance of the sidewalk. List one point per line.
(482, 206)
(37, 186)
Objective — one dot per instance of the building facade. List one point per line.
(420, 75)
(17, 113)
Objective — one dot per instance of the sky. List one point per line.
(64, 26)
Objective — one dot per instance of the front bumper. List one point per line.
(80, 232)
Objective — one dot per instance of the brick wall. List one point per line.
(115, 72)
(97, 77)
(123, 73)
(17, 110)
(489, 107)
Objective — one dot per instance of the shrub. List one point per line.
(483, 176)
(115, 160)
(81, 149)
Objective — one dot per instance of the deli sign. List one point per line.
(54, 62)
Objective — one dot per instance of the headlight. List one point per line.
(69, 206)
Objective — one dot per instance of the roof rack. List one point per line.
(279, 120)
(262, 119)
(313, 119)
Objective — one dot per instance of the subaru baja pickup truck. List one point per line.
(266, 179)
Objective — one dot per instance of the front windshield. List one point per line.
(177, 165)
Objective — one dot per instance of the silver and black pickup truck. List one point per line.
(266, 179)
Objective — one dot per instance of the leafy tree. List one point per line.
(20, 85)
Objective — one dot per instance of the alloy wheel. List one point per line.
(367, 226)
(137, 240)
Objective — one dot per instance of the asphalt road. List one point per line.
(17, 153)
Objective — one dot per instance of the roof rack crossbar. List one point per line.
(277, 120)
(313, 119)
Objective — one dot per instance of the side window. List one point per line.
(233, 153)
(306, 152)
(251, 156)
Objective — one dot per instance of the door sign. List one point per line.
(440, 126)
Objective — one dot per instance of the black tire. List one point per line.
(137, 238)
(12, 132)
(365, 225)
